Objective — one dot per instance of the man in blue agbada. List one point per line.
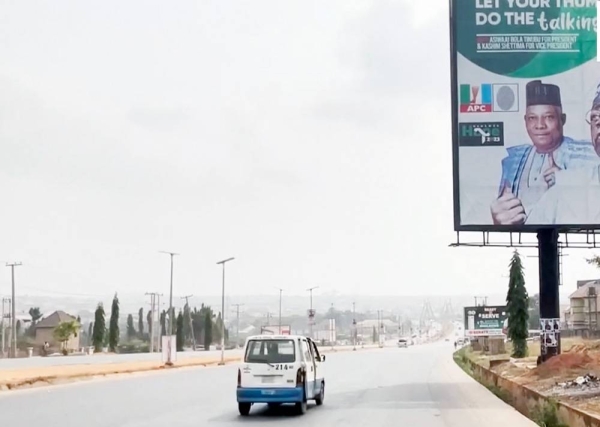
(529, 170)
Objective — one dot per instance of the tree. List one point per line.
(517, 306)
(141, 322)
(36, 315)
(216, 329)
(534, 312)
(208, 330)
(149, 319)
(113, 331)
(595, 260)
(131, 332)
(99, 328)
(180, 337)
(64, 331)
(90, 332)
(163, 321)
(187, 322)
(199, 322)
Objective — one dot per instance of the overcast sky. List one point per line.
(308, 139)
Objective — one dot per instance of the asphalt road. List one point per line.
(419, 386)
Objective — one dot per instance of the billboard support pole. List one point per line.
(549, 282)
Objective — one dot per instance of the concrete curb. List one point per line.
(526, 400)
(90, 371)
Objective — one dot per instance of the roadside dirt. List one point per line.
(572, 377)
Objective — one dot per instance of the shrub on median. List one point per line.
(134, 346)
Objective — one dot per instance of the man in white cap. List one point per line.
(529, 170)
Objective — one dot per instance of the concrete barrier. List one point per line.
(527, 401)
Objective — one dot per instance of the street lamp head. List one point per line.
(168, 253)
(226, 260)
(314, 287)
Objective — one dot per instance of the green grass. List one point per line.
(546, 415)
(500, 393)
(461, 358)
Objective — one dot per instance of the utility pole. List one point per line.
(154, 310)
(311, 313)
(354, 326)
(484, 299)
(222, 362)
(171, 316)
(187, 303)
(237, 328)
(280, 294)
(13, 347)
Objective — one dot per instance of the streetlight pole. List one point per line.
(222, 362)
(169, 361)
(311, 315)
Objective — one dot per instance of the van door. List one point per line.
(269, 363)
(311, 369)
(319, 374)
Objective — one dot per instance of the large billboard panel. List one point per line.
(526, 114)
(485, 321)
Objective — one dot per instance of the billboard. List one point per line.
(485, 321)
(276, 330)
(526, 115)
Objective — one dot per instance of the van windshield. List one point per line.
(270, 351)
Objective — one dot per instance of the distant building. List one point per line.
(44, 330)
(583, 312)
(364, 329)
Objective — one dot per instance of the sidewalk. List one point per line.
(20, 377)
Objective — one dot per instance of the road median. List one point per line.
(14, 379)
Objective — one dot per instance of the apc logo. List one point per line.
(481, 134)
(476, 99)
(489, 97)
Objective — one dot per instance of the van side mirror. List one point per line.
(323, 358)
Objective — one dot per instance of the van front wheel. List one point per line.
(244, 408)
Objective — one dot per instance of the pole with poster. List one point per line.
(169, 348)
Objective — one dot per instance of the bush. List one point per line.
(135, 346)
(65, 352)
(547, 415)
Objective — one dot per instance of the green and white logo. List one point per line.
(481, 134)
